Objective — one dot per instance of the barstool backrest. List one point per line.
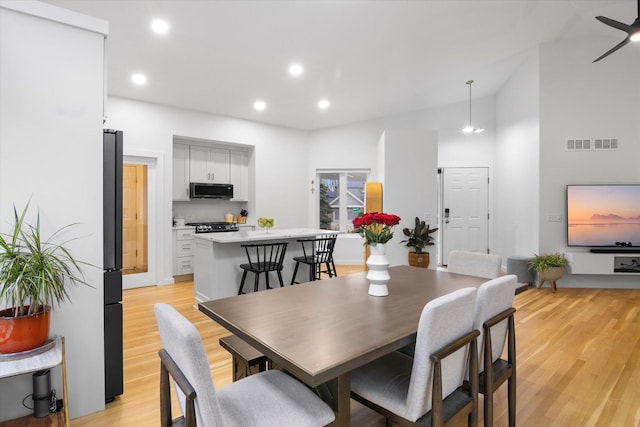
(320, 248)
(265, 256)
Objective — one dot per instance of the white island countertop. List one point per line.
(217, 272)
(247, 236)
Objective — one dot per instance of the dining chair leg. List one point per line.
(329, 270)
(280, 278)
(488, 403)
(266, 275)
(295, 271)
(512, 399)
(257, 281)
(244, 276)
(312, 272)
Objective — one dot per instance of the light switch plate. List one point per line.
(554, 218)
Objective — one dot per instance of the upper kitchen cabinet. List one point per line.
(239, 175)
(209, 165)
(180, 173)
(219, 164)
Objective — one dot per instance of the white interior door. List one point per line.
(465, 210)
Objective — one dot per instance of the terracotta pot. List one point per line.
(24, 332)
(419, 259)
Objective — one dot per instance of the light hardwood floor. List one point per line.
(578, 359)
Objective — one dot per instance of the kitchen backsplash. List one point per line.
(207, 210)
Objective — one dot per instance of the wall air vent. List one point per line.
(605, 143)
(578, 144)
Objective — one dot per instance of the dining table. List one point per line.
(321, 331)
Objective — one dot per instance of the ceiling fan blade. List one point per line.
(615, 24)
(613, 49)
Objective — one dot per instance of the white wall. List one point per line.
(581, 99)
(51, 86)
(357, 146)
(280, 157)
(517, 163)
(410, 185)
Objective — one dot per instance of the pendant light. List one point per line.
(469, 128)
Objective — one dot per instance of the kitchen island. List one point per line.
(218, 256)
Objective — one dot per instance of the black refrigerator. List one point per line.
(112, 222)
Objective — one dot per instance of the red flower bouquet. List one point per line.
(376, 227)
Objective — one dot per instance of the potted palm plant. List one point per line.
(418, 238)
(33, 276)
(549, 267)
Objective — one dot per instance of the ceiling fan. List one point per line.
(633, 31)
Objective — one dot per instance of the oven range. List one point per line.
(214, 227)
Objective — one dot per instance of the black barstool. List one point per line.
(318, 255)
(263, 258)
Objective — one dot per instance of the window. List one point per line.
(340, 197)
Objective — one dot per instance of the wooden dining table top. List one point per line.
(320, 330)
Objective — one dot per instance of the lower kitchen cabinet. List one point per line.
(183, 248)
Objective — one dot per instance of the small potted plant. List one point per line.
(418, 238)
(549, 267)
(33, 275)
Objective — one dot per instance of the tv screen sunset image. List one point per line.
(603, 215)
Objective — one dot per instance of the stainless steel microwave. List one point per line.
(199, 190)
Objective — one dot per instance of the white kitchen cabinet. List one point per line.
(239, 175)
(180, 172)
(183, 249)
(209, 165)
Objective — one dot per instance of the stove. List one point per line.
(214, 227)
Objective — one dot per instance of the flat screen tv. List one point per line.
(603, 216)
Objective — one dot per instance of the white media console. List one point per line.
(604, 263)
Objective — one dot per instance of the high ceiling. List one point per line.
(369, 58)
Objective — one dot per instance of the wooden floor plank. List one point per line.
(578, 353)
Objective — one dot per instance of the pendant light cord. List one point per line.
(469, 83)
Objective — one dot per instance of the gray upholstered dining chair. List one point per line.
(494, 319)
(428, 388)
(474, 264)
(270, 398)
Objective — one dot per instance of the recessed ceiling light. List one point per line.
(296, 70)
(139, 79)
(160, 26)
(323, 104)
(260, 105)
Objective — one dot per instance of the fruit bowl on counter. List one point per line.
(266, 223)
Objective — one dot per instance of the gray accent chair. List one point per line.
(474, 264)
(494, 319)
(269, 399)
(428, 388)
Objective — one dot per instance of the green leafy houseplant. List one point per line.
(33, 272)
(419, 236)
(543, 262)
